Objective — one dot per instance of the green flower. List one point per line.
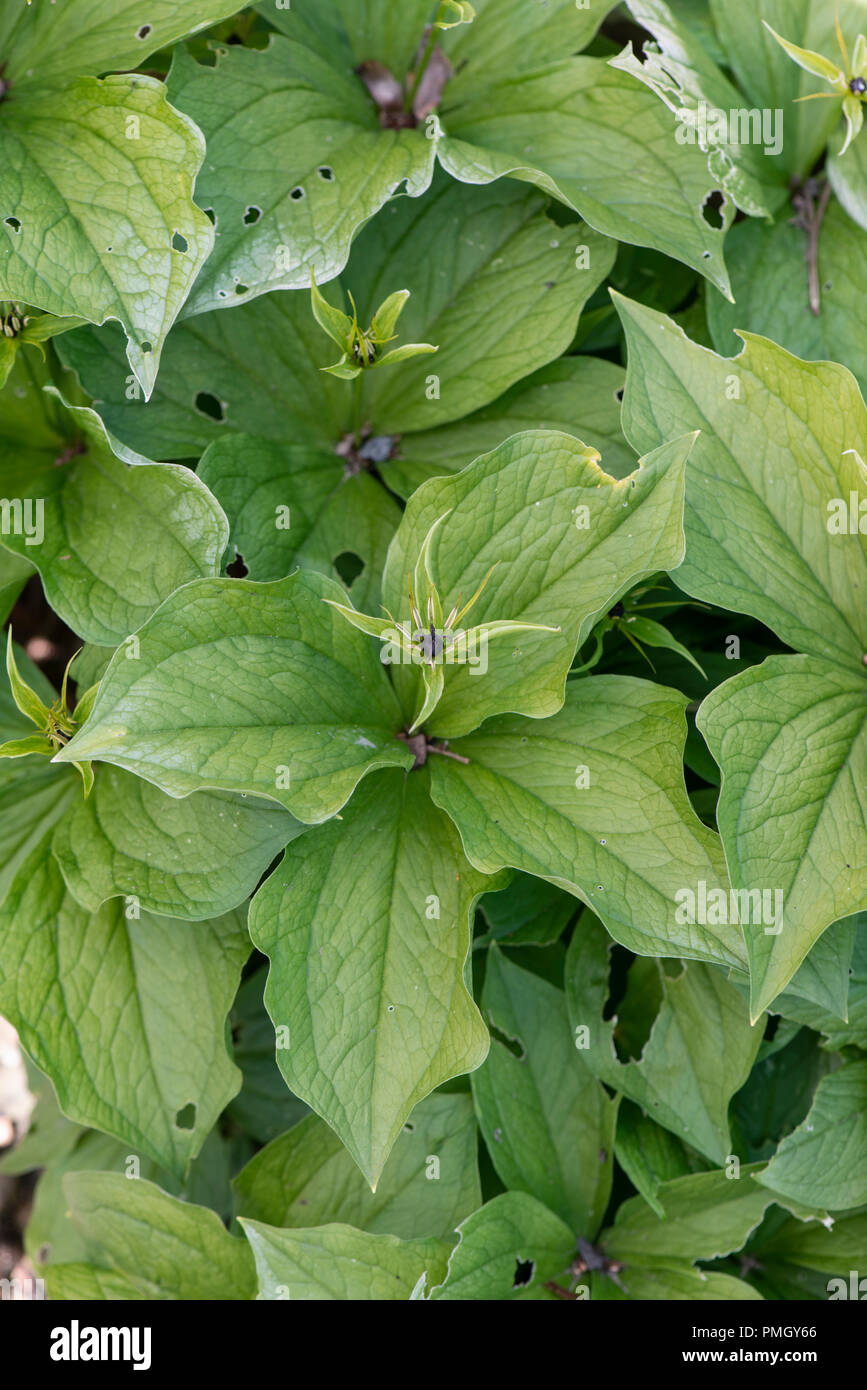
(362, 350)
(848, 82)
(55, 723)
(426, 638)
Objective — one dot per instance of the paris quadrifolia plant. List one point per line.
(55, 723)
(429, 638)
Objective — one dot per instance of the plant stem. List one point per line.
(356, 411)
(426, 56)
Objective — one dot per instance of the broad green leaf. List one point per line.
(337, 1262)
(770, 281)
(110, 539)
(674, 1283)
(256, 688)
(366, 924)
(44, 44)
(769, 78)
(501, 295)
(256, 371)
(508, 1250)
(836, 1246)
(568, 541)
(294, 204)
(822, 979)
(125, 1014)
(593, 801)
(571, 128)
(548, 1123)
(351, 32)
(837, 1034)
(743, 149)
(33, 798)
(779, 1091)
(511, 36)
(166, 1248)
(573, 394)
(114, 202)
(429, 1184)
(648, 1154)
(76, 1283)
(289, 505)
(822, 1163)
(776, 448)
(191, 859)
(698, 1054)
(791, 739)
(706, 1215)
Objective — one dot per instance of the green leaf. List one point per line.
(707, 1215)
(527, 912)
(75, 1283)
(115, 204)
(555, 397)
(33, 798)
(815, 63)
(672, 1283)
(501, 295)
(189, 859)
(166, 1248)
(571, 128)
(429, 1184)
(44, 45)
(255, 372)
(249, 657)
(770, 281)
(848, 177)
(753, 544)
(511, 1231)
(14, 574)
(822, 1162)
(791, 738)
(836, 1246)
(547, 1122)
(511, 36)
(329, 165)
(107, 1005)
(837, 1034)
(568, 800)
(337, 1262)
(111, 539)
(569, 541)
(743, 152)
(366, 924)
(698, 1053)
(289, 505)
(648, 1154)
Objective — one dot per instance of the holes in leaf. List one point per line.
(711, 211)
(146, 347)
(206, 404)
(514, 1045)
(180, 243)
(242, 289)
(252, 215)
(237, 569)
(211, 215)
(297, 193)
(349, 566)
(524, 1271)
(13, 223)
(618, 394)
(325, 172)
(186, 1117)
(410, 1128)
(143, 31)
